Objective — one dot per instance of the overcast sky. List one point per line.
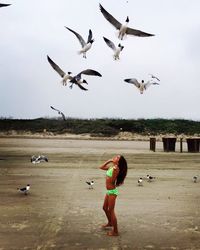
(31, 30)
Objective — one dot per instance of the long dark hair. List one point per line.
(122, 164)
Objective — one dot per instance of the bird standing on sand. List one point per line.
(195, 178)
(24, 190)
(150, 178)
(85, 45)
(123, 29)
(140, 180)
(90, 184)
(117, 50)
(141, 85)
(59, 112)
(38, 159)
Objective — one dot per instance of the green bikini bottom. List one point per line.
(112, 192)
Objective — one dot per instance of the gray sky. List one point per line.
(31, 30)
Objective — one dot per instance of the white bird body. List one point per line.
(122, 31)
(85, 49)
(65, 78)
(142, 86)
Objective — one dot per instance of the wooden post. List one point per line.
(181, 145)
(153, 144)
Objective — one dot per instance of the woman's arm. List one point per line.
(105, 165)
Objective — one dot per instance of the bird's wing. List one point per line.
(135, 32)
(33, 158)
(42, 157)
(23, 189)
(4, 5)
(56, 67)
(81, 40)
(154, 77)
(90, 72)
(80, 86)
(63, 116)
(149, 83)
(89, 36)
(109, 43)
(54, 108)
(110, 18)
(133, 81)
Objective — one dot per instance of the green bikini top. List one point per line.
(109, 172)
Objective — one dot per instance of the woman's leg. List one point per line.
(107, 212)
(113, 218)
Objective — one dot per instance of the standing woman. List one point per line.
(115, 176)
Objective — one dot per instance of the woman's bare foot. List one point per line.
(112, 233)
(105, 226)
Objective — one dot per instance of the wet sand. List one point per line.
(60, 212)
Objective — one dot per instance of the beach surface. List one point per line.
(61, 212)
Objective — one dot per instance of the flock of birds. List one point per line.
(77, 79)
(123, 31)
(90, 184)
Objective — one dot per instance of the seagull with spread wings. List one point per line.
(123, 28)
(85, 45)
(65, 77)
(141, 85)
(79, 81)
(4, 5)
(59, 112)
(117, 50)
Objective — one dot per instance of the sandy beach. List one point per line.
(60, 212)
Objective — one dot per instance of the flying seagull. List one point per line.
(65, 77)
(116, 50)
(90, 184)
(154, 77)
(123, 29)
(59, 112)
(24, 190)
(141, 85)
(79, 81)
(38, 159)
(85, 45)
(4, 5)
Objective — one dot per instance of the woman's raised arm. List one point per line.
(105, 165)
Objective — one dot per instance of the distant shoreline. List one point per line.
(122, 136)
